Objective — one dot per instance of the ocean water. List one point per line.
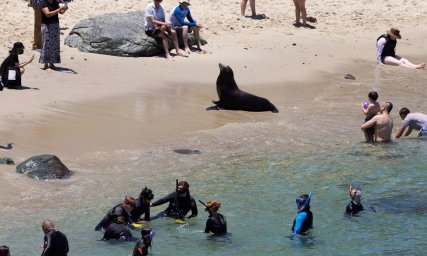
(254, 164)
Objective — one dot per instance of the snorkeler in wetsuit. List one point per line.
(216, 222)
(355, 205)
(117, 220)
(180, 203)
(142, 245)
(142, 205)
(304, 220)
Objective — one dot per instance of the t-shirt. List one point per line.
(157, 14)
(415, 121)
(52, 7)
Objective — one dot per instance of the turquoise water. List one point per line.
(255, 169)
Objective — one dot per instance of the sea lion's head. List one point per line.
(226, 72)
(225, 78)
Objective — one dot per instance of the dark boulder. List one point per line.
(118, 34)
(43, 167)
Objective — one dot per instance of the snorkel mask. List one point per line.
(301, 203)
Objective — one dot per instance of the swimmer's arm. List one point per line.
(399, 133)
(163, 200)
(368, 124)
(299, 220)
(380, 48)
(194, 210)
(409, 131)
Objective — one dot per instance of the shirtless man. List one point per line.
(383, 124)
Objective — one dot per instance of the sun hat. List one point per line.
(18, 45)
(185, 2)
(394, 32)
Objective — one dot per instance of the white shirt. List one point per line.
(157, 14)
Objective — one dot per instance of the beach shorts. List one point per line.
(371, 130)
(423, 131)
(153, 33)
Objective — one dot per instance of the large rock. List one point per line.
(43, 167)
(118, 34)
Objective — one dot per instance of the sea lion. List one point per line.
(232, 98)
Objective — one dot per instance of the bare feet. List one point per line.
(187, 50)
(51, 66)
(201, 51)
(45, 66)
(421, 66)
(181, 53)
(168, 57)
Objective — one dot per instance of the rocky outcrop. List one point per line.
(43, 167)
(118, 34)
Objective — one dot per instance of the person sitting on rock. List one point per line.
(177, 21)
(157, 28)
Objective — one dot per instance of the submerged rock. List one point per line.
(186, 151)
(43, 167)
(7, 160)
(118, 34)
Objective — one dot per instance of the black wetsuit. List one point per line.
(117, 231)
(178, 206)
(140, 208)
(140, 249)
(353, 207)
(55, 244)
(216, 224)
(111, 216)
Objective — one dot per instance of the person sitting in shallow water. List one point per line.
(180, 203)
(304, 219)
(355, 204)
(120, 213)
(142, 205)
(216, 222)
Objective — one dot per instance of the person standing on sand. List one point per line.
(383, 124)
(386, 54)
(50, 29)
(243, 4)
(412, 121)
(37, 39)
(300, 11)
(370, 108)
(55, 243)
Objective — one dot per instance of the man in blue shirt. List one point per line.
(177, 21)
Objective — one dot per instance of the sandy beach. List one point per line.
(261, 52)
(147, 105)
